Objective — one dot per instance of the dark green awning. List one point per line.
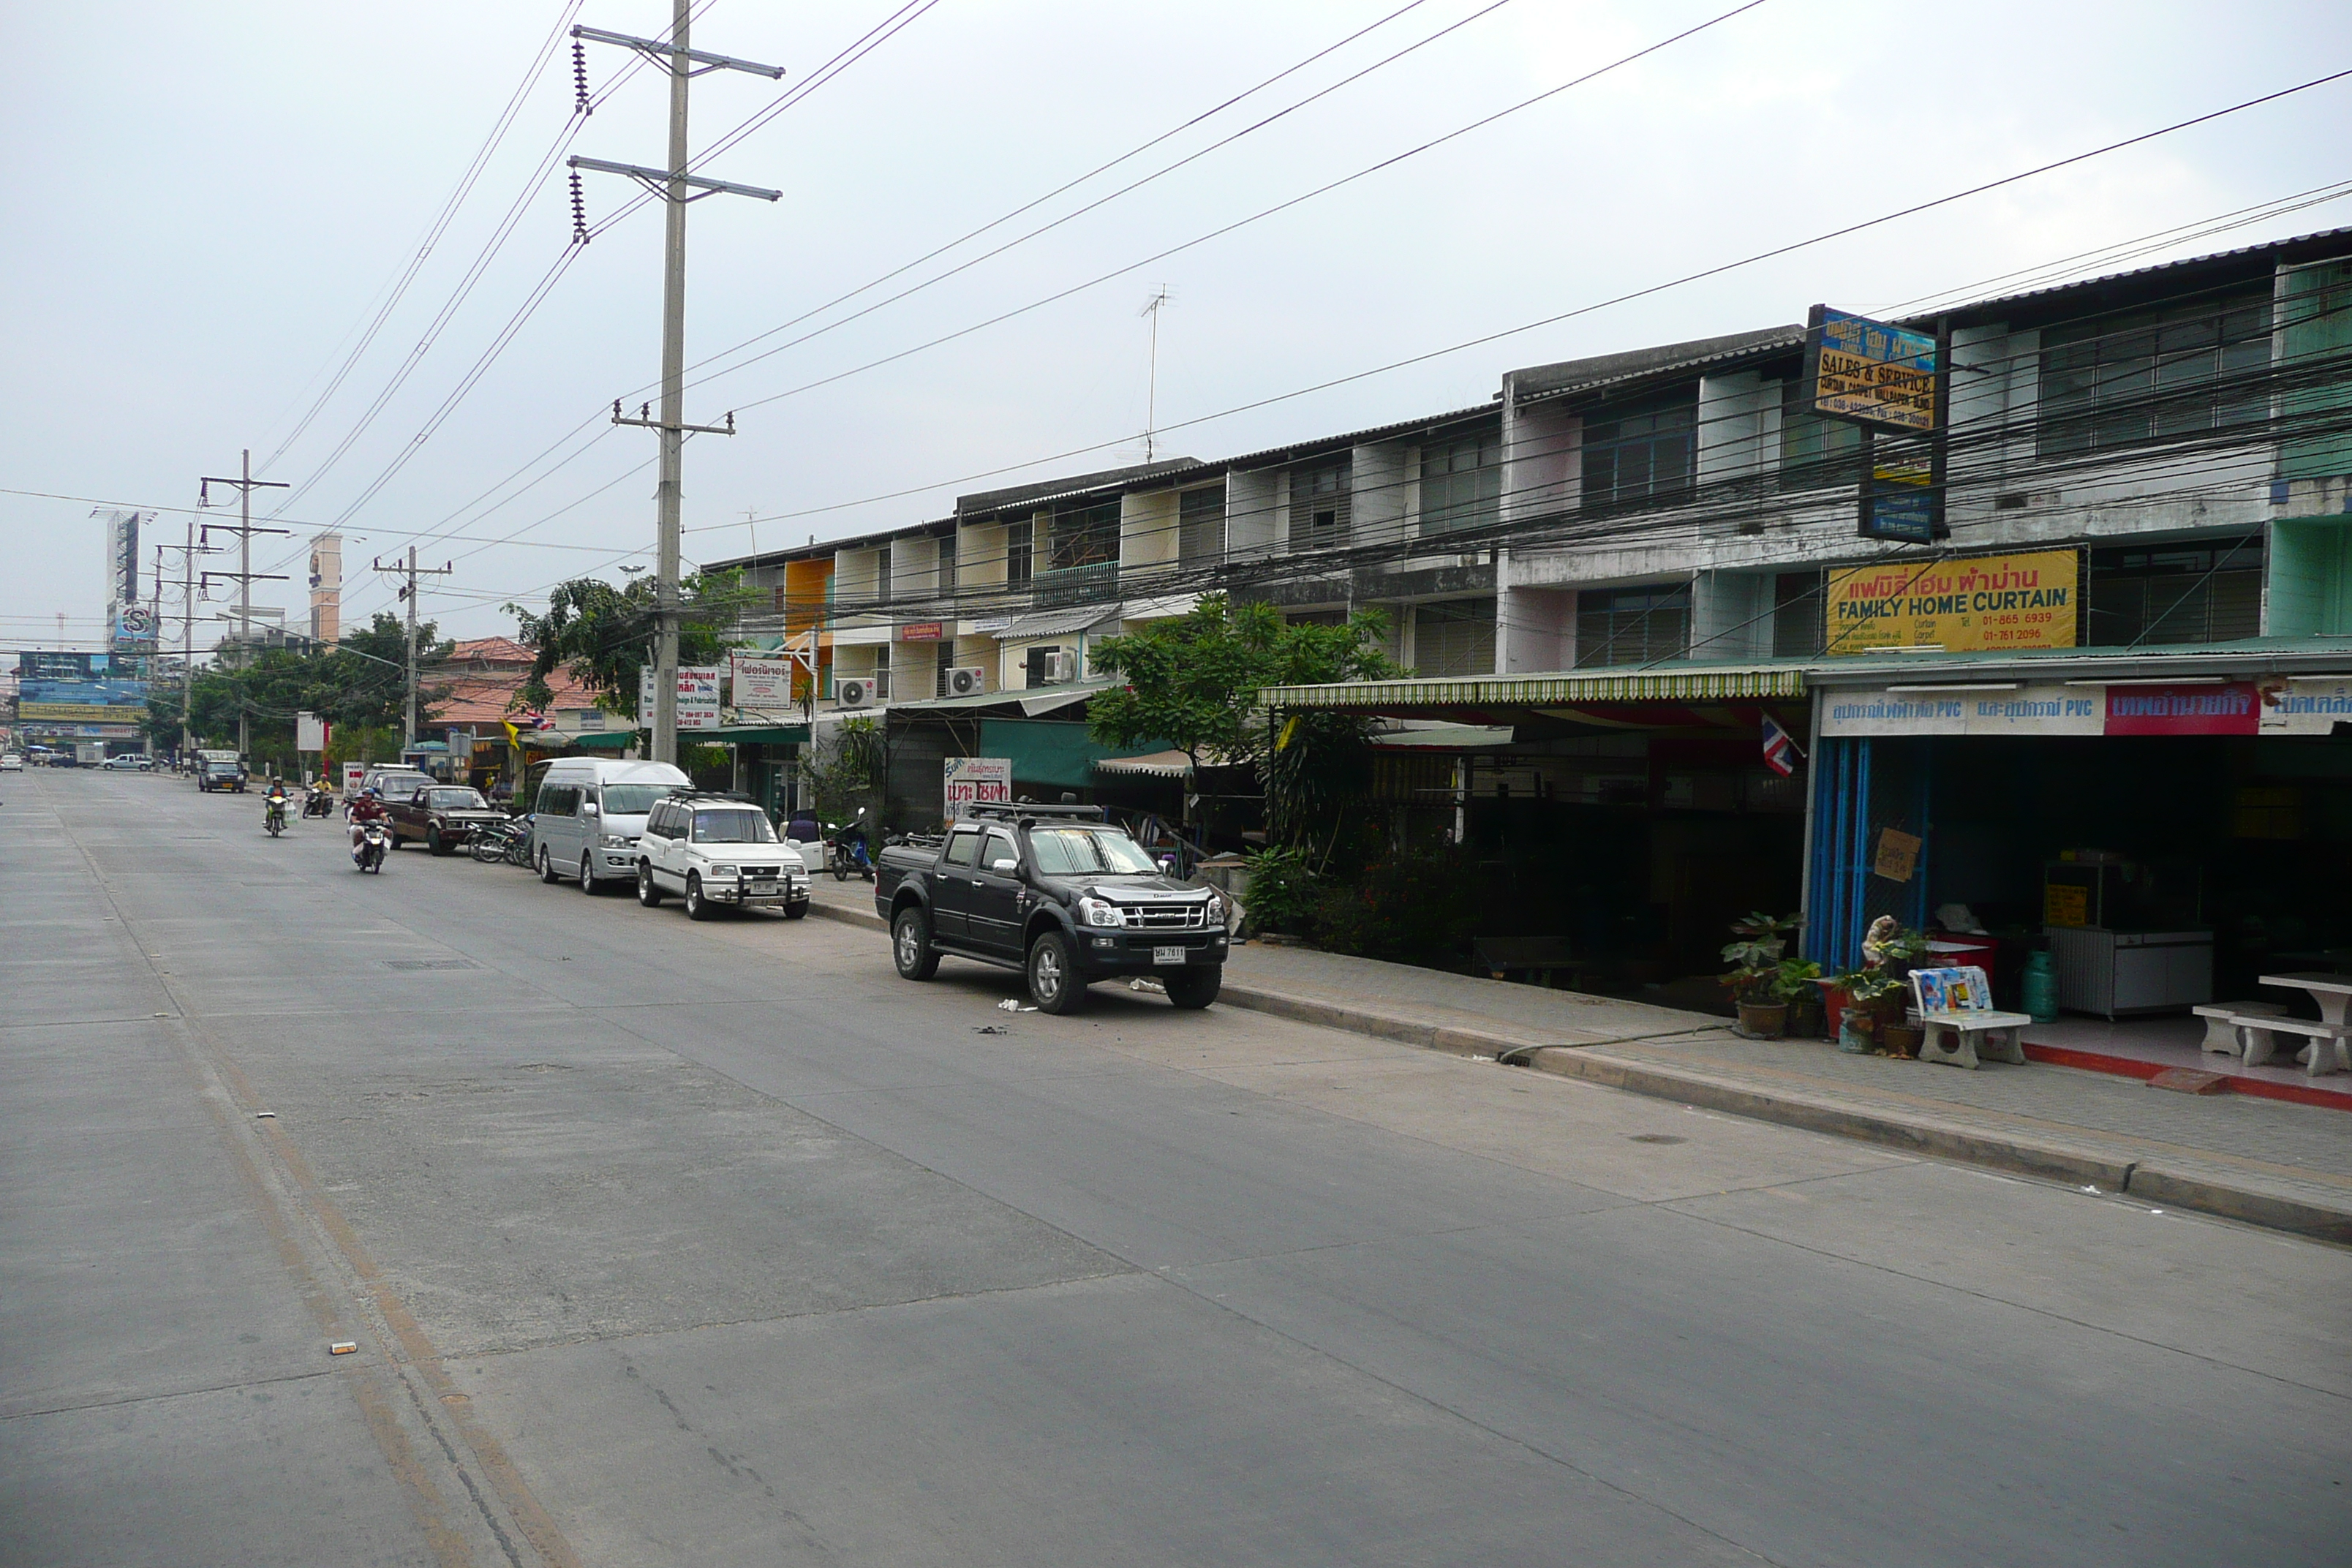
(1050, 752)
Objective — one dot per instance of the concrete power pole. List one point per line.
(408, 594)
(675, 188)
(245, 575)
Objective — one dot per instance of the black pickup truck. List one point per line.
(1056, 892)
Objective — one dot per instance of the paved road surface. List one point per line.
(666, 1243)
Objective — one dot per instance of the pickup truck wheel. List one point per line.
(1193, 988)
(697, 908)
(433, 843)
(1054, 983)
(547, 868)
(796, 911)
(910, 944)
(647, 894)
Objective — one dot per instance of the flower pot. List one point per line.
(1834, 1005)
(1901, 1039)
(1763, 1020)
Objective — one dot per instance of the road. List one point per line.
(666, 1243)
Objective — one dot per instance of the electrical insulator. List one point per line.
(580, 77)
(579, 212)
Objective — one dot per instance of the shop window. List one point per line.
(1815, 452)
(1640, 451)
(1319, 506)
(1020, 562)
(2211, 591)
(2119, 381)
(1454, 640)
(1633, 626)
(1797, 602)
(1461, 484)
(1201, 524)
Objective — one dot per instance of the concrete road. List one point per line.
(666, 1243)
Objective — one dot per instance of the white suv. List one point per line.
(713, 849)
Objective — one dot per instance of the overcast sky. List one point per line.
(208, 205)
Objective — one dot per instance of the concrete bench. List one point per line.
(2220, 1021)
(1956, 1039)
(2261, 1031)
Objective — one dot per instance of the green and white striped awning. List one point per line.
(1745, 683)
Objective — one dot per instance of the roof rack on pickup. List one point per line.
(732, 796)
(1031, 811)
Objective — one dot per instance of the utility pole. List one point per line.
(245, 575)
(675, 188)
(408, 594)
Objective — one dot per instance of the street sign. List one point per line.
(974, 781)
(1869, 373)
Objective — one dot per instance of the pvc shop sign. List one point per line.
(1993, 709)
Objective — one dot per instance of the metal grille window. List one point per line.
(1020, 554)
(1319, 506)
(1640, 451)
(2211, 591)
(1086, 536)
(1462, 484)
(1796, 605)
(1633, 626)
(1454, 640)
(1815, 452)
(1201, 524)
(2119, 381)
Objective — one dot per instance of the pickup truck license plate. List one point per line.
(1167, 955)
(764, 889)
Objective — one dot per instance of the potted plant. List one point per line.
(1795, 985)
(1868, 991)
(1755, 979)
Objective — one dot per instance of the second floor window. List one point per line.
(2121, 379)
(1201, 524)
(1020, 560)
(1815, 452)
(882, 575)
(1633, 626)
(1085, 535)
(1640, 451)
(1461, 484)
(946, 574)
(2194, 592)
(1319, 506)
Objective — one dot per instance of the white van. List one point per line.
(589, 815)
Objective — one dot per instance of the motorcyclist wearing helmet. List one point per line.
(366, 807)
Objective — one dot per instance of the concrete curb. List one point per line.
(2039, 1158)
(2274, 1211)
(1916, 1135)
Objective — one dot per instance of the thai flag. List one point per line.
(1780, 753)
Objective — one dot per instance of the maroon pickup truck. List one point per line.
(444, 816)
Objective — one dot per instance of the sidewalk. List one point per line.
(2268, 1162)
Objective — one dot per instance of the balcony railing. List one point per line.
(1097, 582)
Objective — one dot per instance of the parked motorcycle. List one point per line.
(376, 843)
(499, 841)
(845, 851)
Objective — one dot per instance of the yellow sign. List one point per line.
(77, 713)
(2065, 904)
(1990, 602)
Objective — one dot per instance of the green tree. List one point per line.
(602, 635)
(363, 682)
(1195, 682)
(850, 773)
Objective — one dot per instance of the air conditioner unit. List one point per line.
(854, 693)
(1060, 665)
(966, 682)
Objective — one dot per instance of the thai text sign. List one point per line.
(1870, 371)
(923, 631)
(1989, 602)
(2228, 708)
(697, 697)
(764, 685)
(2305, 705)
(66, 712)
(973, 780)
(2051, 710)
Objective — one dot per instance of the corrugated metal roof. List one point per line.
(1590, 375)
(1701, 683)
(1044, 491)
(2211, 258)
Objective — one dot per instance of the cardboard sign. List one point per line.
(1961, 606)
(971, 781)
(2230, 708)
(1898, 855)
